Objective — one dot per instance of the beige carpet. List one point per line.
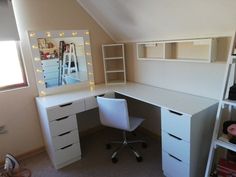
(96, 160)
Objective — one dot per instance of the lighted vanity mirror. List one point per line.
(61, 58)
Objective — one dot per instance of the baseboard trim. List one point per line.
(26, 155)
(82, 134)
(42, 149)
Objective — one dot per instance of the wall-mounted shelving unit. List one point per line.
(114, 63)
(195, 50)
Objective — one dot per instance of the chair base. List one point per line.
(126, 143)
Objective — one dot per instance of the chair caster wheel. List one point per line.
(139, 159)
(144, 145)
(108, 146)
(114, 160)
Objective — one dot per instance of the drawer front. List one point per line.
(173, 167)
(176, 146)
(65, 110)
(50, 69)
(176, 124)
(64, 139)
(51, 82)
(67, 153)
(90, 103)
(50, 62)
(63, 125)
(51, 75)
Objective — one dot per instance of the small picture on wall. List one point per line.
(42, 43)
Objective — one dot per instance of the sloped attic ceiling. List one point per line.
(140, 20)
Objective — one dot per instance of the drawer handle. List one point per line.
(64, 133)
(67, 104)
(66, 146)
(175, 157)
(176, 113)
(174, 136)
(62, 118)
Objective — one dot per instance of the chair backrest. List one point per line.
(113, 112)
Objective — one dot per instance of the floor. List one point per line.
(96, 160)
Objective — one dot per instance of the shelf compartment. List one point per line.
(204, 50)
(229, 102)
(113, 51)
(115, 71)
(114, 65)
(151, 50)
(199, 50)
(224, 142)
(114, 58)
(116, 78)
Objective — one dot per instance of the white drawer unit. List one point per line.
(176, 123)
(174, 167)
(65, 109)
(51, 72)
(185, 142)
(62, 125)
(65, 139)
(176, 146)
(60, 131)
(67, 154)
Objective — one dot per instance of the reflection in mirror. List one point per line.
(63, 60)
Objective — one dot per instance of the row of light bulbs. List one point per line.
(61, 34)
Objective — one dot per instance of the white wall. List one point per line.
(131, 21)
(17, 107)
(204, 79)
(162, 19)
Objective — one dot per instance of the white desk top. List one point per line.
(176, 101)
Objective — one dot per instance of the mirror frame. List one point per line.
(33, 37)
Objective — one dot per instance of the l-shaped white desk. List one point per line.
(186, 122)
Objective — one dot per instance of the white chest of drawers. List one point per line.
(60, 130)
(51, 72)
(185, 142)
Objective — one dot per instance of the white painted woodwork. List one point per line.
(217, 139)
(71, 152)
(66, 109)
(176, 124)
(114, 63)
(186, 141)
(193, 110)
(66, 124)
(66, 139)
(191, 50)
(175, 146)
(173, 167)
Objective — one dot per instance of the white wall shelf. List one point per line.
(114, 63)
(192, 50)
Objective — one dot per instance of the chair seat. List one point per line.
(134, 123)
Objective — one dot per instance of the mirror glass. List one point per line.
(61, 58)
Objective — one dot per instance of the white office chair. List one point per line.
(114, 113)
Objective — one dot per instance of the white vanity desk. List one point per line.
(186, 123)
